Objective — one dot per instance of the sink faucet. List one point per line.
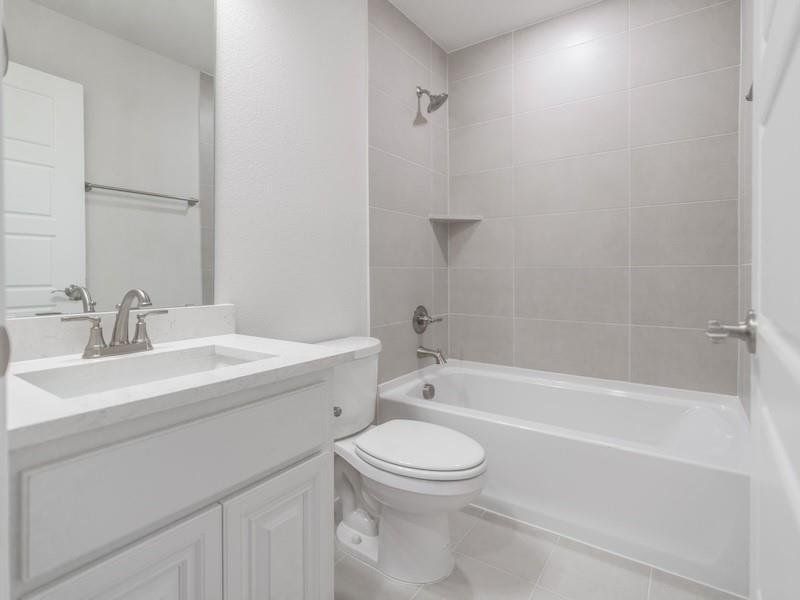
(78, 292)
(423, 352)
(120, 335)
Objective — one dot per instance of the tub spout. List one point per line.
(423, 352)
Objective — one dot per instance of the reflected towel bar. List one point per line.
(94, 186)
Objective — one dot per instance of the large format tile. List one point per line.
(441, 292)
(590, 349)
(462, 522)
(691, 171)
(399, 347)
(691, 107)
(396, 184)
(682, 358)
(579, 572)
(488, 193)
(483, 339)
(439, 148)
(584, 239)
(669, 587)
(595, 125)
(392, 70)
(570, 184)
(480, 58)
(391, 129)
(575, 73)
(693, 43)
(686, 234)
(356, 581)
(509, 545)
(489, 243)
(397, 26)
(684, 296)
(571, 29)
(487, 292)
(474, 580)
(649, 11)
(573, 294)
(394, 292)
(399, 240)
(480, 98)
(480, 147)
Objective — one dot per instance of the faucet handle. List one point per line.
(96, 344)
(141, 316)
(96, 321)
(140, 335)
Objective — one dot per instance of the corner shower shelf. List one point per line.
(455, 218)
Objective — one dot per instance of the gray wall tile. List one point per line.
(693, 43)
(684, 296)
(480, 98)
(685, 234)
(696, 106)
(596, 238)
(397, 184)
(391, 129)
(682, 358)
(394, 292)
(399, 352)
(573, 294)
(399, 240)
(648, 11)
(486, 56)
(483, 339)
(480, 147)
(581, 183)
(489, 243)
(590, 349)
(571, 29)
(693, 171)
(595, 125)
(487, 292)
(396, 25)
(393, 70)
(441, 293)
(488, 193)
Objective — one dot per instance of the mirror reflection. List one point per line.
(108, 126)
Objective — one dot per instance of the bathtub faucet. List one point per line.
(423, 352)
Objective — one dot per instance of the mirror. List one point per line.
(108, 132)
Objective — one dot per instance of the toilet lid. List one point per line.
(416, 445)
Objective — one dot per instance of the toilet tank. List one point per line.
(355, 385)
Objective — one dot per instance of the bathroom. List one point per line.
(434, 300)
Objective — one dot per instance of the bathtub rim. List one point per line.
(394, 390)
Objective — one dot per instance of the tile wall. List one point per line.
(602, 148)
(407, 182)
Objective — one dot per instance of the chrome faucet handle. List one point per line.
(140, 335)
(96, 344)
(421, 319)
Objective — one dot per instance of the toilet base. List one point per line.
(409, 547)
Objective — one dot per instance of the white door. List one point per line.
(279, 536)
(182, 563)
(775, 536)
(44, 190)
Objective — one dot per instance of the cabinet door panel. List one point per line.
(183, 562)
(279, 536)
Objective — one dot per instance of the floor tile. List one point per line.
(462, 522)
(542, 594)
(670, 587)
(579, 572)
(356, 581)
(509, 545)
(474, 580)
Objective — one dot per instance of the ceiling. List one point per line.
(454, 24)
(182, 30)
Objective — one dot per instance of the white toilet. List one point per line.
(399, 480)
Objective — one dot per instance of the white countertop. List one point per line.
(35, 416)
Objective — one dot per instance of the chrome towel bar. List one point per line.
(94, 186)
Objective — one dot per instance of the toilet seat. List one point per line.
(421, 450)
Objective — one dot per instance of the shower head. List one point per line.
(435, 102)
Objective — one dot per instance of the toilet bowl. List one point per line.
(397, 481)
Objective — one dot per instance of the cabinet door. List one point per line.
(183, 562)
(278, 536)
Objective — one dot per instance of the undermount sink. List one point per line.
(92, 377)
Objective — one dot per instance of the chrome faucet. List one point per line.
(120, 335)
(423, 352)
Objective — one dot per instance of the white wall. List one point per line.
(291, 178)
(141, 119)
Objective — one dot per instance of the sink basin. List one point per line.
(103, 375)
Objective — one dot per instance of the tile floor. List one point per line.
(501, 559)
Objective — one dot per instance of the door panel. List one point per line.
(43, 189)
(279, 536)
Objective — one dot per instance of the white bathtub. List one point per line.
(654, 474)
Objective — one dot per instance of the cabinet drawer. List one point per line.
(183, 562)
(76, 509)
